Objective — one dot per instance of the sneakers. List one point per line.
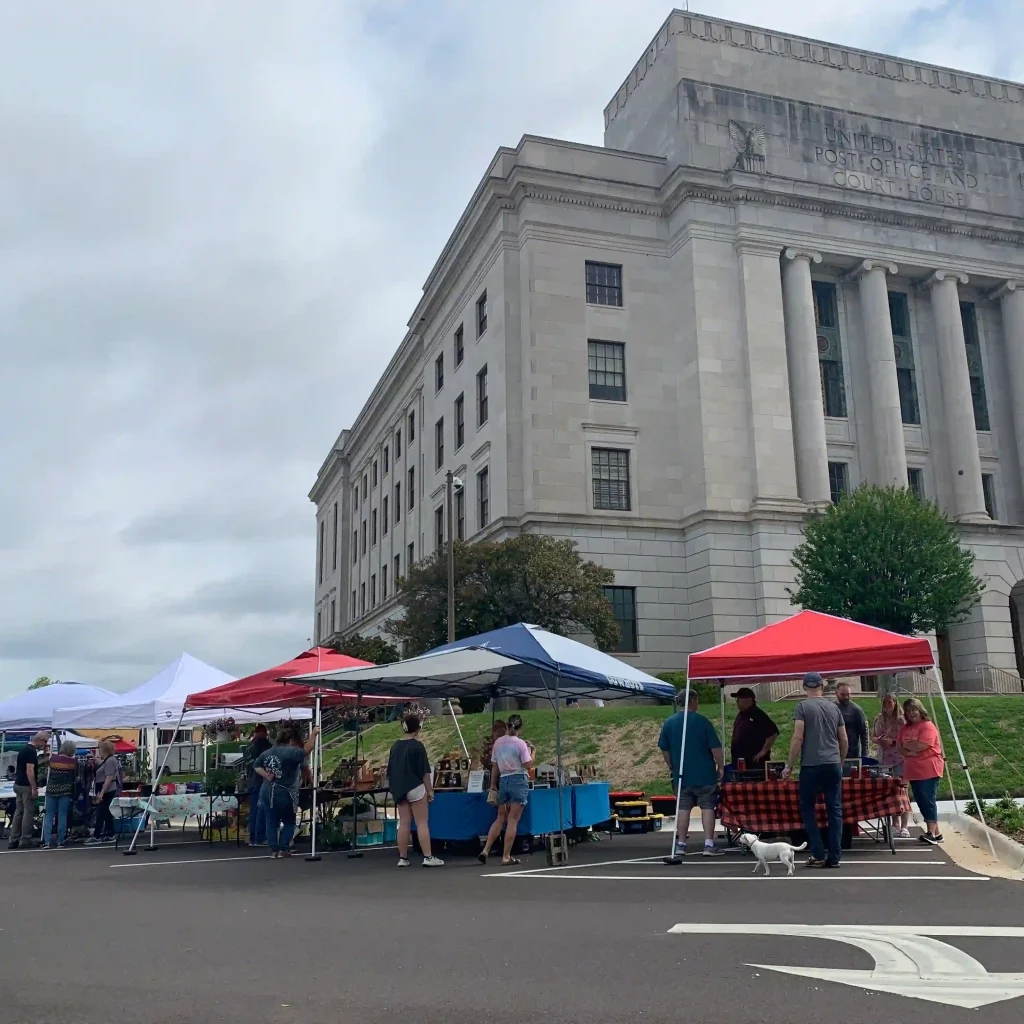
(433, 862)
(903, 833)
(927, 837)
(403, 862)
(102, 841)
(711, 851)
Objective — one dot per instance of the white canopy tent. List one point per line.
(159, 703)
(34, 709)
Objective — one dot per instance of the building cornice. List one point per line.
(811, 51)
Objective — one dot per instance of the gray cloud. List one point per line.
(215, 222)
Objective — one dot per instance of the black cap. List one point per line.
(812, 681)
(744, 691)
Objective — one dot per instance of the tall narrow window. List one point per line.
(412, 488)
(481, 397)
(606, 366)
(366, 490)
(383, 583)
(460, 421)
(398, 569)
(906, 375)
(355, 546)
(623, 602)
(333, 609)
(398, 443)
(604, 284)
(387, 460)
(364, 537)
(384, 516)
(355, 498)
(830, 353)
(374, 472)
(398, 502)
(318, 634)
(352, 615)
(373, 528)
(439, 527)
(611, 478)
(412, 426)
(988, 489)
(483, 498)
(439, 372)
(969, 316)
(439, 443)
(410, 556)
(362, 598)
(373, 591)
(320, 553)
(460, 346)
(334, 540)
(481, 314)
(460, 513)
(915, 481)
(838, 480)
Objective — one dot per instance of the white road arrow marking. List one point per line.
(908, 961)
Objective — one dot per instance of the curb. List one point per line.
(1009, 852)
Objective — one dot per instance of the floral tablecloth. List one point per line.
(181, 805)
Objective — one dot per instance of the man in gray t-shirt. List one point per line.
(819, 739)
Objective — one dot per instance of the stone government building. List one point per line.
(792, 268)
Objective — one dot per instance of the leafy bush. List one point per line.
(707, 693)
(1004, 814)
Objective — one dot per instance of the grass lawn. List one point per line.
(622, 742)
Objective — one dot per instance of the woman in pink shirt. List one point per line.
(511, 761)
(923, 764)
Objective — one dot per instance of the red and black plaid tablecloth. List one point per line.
(775, 806)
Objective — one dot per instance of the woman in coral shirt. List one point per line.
(923, 764)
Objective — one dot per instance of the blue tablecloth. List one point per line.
(456, 816)
(591, 804)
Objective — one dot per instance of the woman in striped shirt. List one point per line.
(60, 789)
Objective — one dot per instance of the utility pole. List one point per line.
(449, 481)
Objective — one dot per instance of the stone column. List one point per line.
(805, 377)
(890, 462)
(1011, 298)
(771, 419)
(957, 407)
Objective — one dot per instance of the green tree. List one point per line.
(882, 557)
(374, 649)
(530, 578)
(43, 681)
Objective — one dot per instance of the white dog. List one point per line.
(764, 852)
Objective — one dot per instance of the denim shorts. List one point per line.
(925, 792)
(513, 789)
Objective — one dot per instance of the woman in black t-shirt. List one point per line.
(411, 787)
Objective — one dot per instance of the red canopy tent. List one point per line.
(811, 642)
(264, 689)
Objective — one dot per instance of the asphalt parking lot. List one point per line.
(202, 934)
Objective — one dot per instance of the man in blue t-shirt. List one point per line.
(703, 764)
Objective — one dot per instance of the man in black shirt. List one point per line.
(753, 732)
(26, 790)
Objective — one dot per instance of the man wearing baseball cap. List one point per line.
(819, 739)
(753, 732)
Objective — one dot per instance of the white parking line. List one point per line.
(824, 876)
(202, 860)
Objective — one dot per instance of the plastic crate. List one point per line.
(634, 826)
(390, 830)
(657, 822)
(370, 839)
(631, 808)
(664, 805)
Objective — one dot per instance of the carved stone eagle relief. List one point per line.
(749, 143)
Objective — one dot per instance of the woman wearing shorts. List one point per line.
(412, 790)
(511, 760)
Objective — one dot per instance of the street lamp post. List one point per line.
(452, 484)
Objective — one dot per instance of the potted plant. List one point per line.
(220, 729)
(220, 782)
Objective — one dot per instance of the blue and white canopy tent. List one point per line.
(520, 661)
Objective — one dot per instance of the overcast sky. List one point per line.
(215, 220)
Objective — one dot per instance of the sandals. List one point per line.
(482, 857)
(508, 863)
(813, 862)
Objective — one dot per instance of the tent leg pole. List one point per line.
(131, 851)
(559, 774)
(355, 851)
(451, 711)
(721, 695)
(963, 761)
(949, 774)
(156, 775)
(313, 855)
(673, 858)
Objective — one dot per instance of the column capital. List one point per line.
(866, 266)
(1006, 288)
(938, 276)
(803, 254)
(757, 247)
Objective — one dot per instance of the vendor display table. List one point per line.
(200, 806)
(458, 816)
(775, 806)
